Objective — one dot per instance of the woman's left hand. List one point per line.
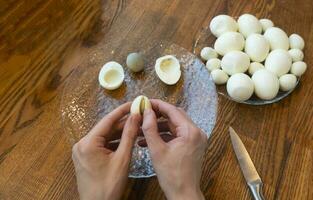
(102, 171)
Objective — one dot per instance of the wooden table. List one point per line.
(42, 42)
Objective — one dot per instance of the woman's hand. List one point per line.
(101, 172)
(178, 162)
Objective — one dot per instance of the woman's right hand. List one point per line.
(177, 163)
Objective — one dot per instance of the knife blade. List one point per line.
(247, 167)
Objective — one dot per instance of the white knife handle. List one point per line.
(256, 189)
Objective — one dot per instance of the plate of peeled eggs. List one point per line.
(251, 60)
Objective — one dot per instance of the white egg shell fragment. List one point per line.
(266, 84)
(278, 62)
(219, 76)
(230, 41)
(266, 23)
(221, 24)
(111, 75)
(135, 62)
(287, 82)
(208, 53)
(240, 87)
(213, 63)
(139, 105)
(277, 38)
(296, 41)
(248, 24)
(235, 62)
(296, 55)
(257, 47)
(168, 69)
(255, 66)
(298, 68)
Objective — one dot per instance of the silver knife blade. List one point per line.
(245, 162)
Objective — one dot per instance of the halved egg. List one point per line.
(111, 75)
(168, 69)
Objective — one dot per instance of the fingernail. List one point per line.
(135, 117)
(147, 111)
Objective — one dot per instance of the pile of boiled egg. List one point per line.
(253, 56)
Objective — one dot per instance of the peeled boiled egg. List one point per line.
(135, 62)
(296, 55)
(266, 84)
(235, 62)
(277, 38)
(296, 41)
(208, 53)
(168, 69)
(111, 75)
(240, 87)
(257, 47)
(221, 24)
(230, 41)
(139, 105)
(278, 62)
(298, 68)
(248, 24)
(213, 63)
(287, 82)
(255, 66)
(266, 23)
(219, 76)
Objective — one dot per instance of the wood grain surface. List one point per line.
(42, 42)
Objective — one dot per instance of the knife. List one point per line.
(247, 167)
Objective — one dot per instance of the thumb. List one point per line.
(129, 134)
(150, 131)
